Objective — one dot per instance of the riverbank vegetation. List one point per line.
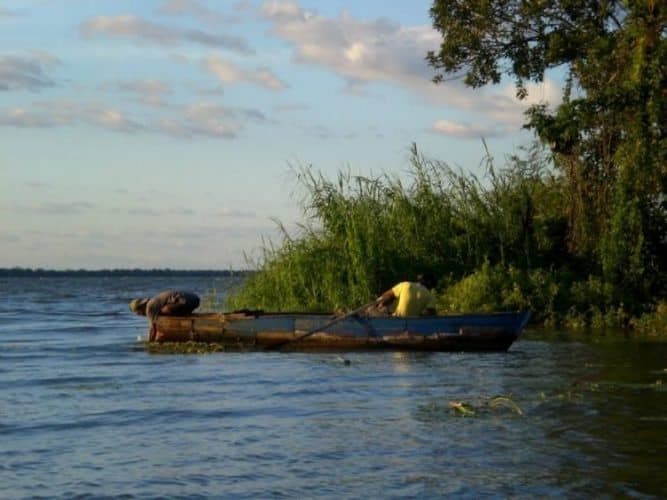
(499, 242)
(574, 229)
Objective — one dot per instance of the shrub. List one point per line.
(653, 323)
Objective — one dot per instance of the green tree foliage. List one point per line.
(609, 134)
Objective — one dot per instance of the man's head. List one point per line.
(427, 279)
(138, 306)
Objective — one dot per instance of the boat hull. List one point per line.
(300, 331)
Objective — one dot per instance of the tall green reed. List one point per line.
(362, 234)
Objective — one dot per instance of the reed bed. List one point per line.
(499, 241)
(361, 234)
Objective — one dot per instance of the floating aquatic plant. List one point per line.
(464, 409)
(183, 347)
(485, 404)
(505, 401)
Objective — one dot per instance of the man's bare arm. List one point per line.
(386, 298)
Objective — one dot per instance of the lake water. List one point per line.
(86, 412)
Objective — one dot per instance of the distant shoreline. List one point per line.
(40, 273)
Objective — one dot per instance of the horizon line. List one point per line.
(26, 270)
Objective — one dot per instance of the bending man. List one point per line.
(411, 298)
(167, 303)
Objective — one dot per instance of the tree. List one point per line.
(609, 134)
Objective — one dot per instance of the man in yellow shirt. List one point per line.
(411, 298)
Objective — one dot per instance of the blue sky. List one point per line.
(161, 133)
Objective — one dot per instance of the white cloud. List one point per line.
(544, 92)
(211, 120)
(22, 118)
(129, 26)
(206, 92)
(114, 120)
(364, 53)
(466, 131)
(361, 52)
(203, 119)
(285, 10)
(46, 114)
(227, 72)
(26, 72)
(195, 9)
(149, 92)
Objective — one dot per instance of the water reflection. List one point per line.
(400, 362)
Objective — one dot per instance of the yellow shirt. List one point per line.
(412, 299)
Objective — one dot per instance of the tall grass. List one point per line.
(360, 235)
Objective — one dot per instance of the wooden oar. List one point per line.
(320, 328)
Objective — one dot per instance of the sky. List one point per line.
(166, 133)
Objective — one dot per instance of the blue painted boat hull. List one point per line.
(464, 332)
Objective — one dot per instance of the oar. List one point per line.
(320, 328)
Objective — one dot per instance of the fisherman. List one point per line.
(410, 298)
(167, 303)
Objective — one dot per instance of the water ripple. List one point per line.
(87, 413)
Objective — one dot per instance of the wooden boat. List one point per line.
(304, 331)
